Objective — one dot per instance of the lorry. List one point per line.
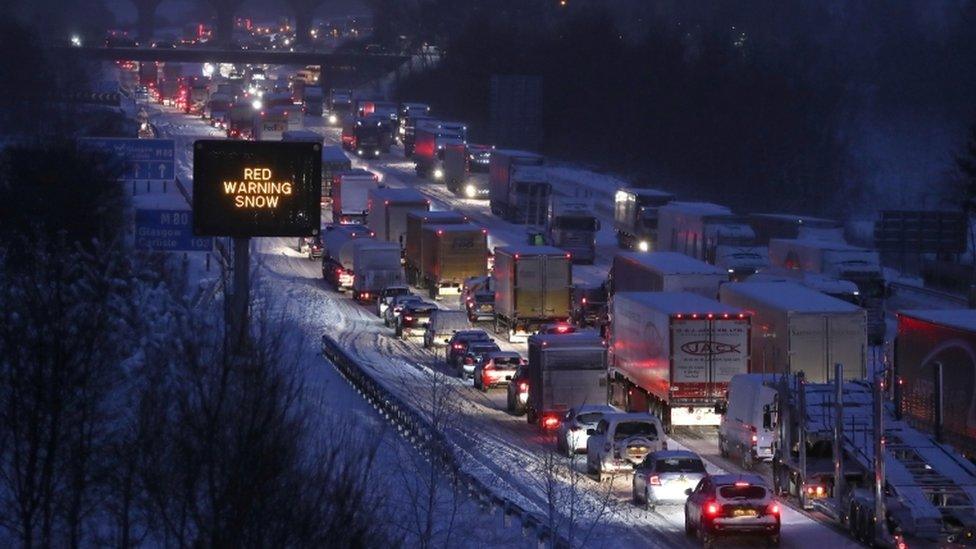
(339, 105)
(350, 195)
(927, 337)
(768, 226)
(218, 108)
(450, 254)
(797, 329)
(413, 246)
(334, 161)
(711, 233)
(842, 449)
(532, 287)
(430, 138)
(673, 354)
(839, 260)
(635, 217)
(664, 272)
(307, 136)
(409, 134)
(572, 226)
(407, 111)
(519, 188)
(199, 95)
(375, 266)
(388, 209)
(459, 173)
(271, 124)
(312, 100)
(241, 121)
(366, 136)
(564, 371)
(338, 247)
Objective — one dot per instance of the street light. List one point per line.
(76, 40)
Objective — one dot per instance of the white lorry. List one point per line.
(839, 260)
(571, 226)
(388, 210)
(350, 195)
(665, 272)
(375, 266)
(673, 354)
(796, 329)
(746, 431)
(713, 234)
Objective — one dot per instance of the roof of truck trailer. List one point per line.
(963, 319)
(333, 153)
(526, 249)
(575, 339)
(451, 228)
(705, 208)
(791, 296)
(800, 220)
(645, 192)
(404, 194)
(434, 216)
(679, 302)
(672, 262)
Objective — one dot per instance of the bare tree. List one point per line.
(304, 11)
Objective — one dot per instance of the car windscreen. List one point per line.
(742, 492)
(511, 361)
(575, 223)
(679, 465)
(589, 418)
(628, 429)
(481, 349)
(484, 298)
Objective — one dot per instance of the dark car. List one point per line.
(480, 306)
(732, 506)
(393, 310)
(477, 350)
(414, 318)
(386, 296)
(459, 342)
(589, 305)
(518, 392)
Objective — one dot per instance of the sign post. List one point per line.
(254, 188)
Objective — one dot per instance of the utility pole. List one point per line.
(839, 436)
(880, 524)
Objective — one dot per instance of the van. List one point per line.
(443, 324)
(747, 429)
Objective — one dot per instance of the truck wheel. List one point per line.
(530, 416)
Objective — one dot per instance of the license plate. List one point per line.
(744, 513)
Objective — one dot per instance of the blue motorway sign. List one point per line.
(141, 159)
(169, 230)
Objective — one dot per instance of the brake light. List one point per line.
(407, 318)
(550, 422)
(711, 509)
(458, 346)
(583, 301)
(338, 270)
(654, 480)
(365, 295)
(523, 387)
(562, 329)
(741, 484)
(773, 509)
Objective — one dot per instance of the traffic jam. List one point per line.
(722, 369)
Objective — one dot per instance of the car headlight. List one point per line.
(333, 119)
(643, 246)
(438, 173)
(470, 191)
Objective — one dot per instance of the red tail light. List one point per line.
(523, 387)
(458, 346)
(408, 318)
(654, 480)
(711, 509)
(562, 329)
(773, 509)
(550, 422)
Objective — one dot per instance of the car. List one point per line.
(496, 369)
(386, 296)
(557, 328)
(621, 441)
(732, 505)
(518, 392)
(458, 344)
(480, 306)
(313, 245)
(393, 310)
(475, 354)
(571, 435)
(663, 477)
(413, 319)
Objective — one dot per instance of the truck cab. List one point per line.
(573, 227)
(635, 217)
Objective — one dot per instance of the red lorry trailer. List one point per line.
(924, 339)
(674, 353)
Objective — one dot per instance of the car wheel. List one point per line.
(707, 540)
(689, 529)
(530, 417)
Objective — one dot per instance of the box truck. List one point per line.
(635, 217)
(312, 100)
(572, 226)
(519, 187)
(388, 210)
(430, 139)
(674, 353)
(271, 124)
(564, 371)
(839, 260)
(948, 337)
(413, 246)
(532, 287)
(713, 234)
(450, 254)
(337, 253)
(796, 329)
(664, 272)
(350, 195)
(375, 266)
(334, 160)
(460, 175)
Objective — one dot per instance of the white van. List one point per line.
(748, 427)
(443, 324)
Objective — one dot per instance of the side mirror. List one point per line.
(591, 432)
(687, 491)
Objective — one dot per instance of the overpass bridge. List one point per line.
(338, 69)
